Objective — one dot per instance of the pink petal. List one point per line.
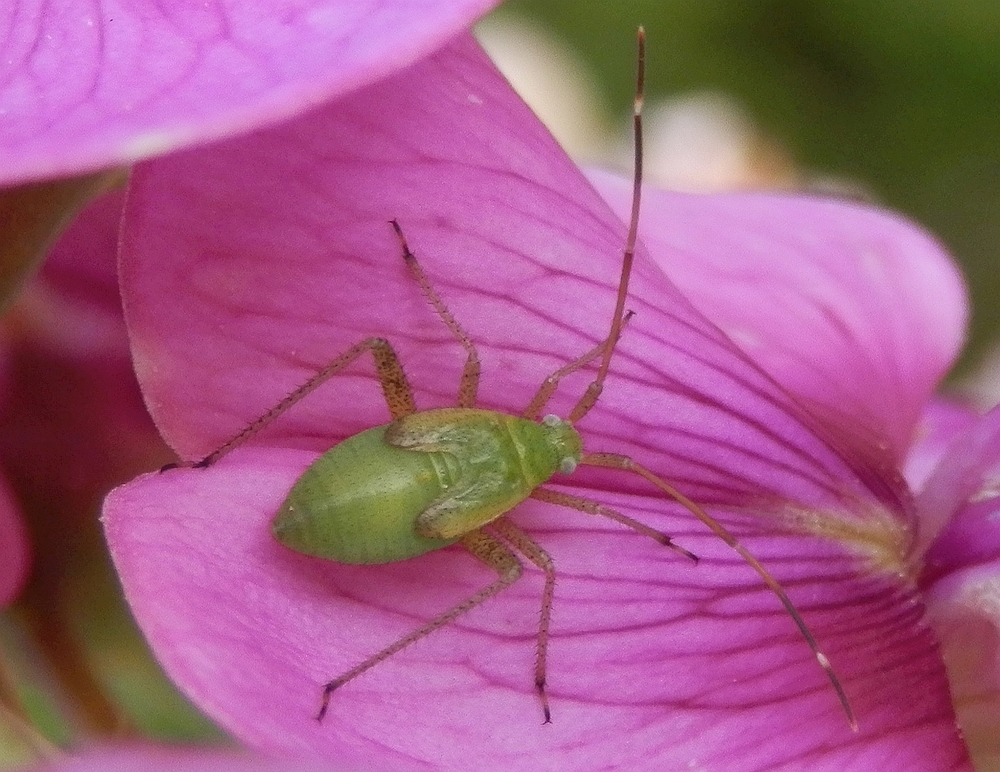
(65, 333)
(72, 415)
(13, 546)
(148, 758)
(862, 330)
(72, 422)
(961, 501)
(85, 87)
(653, 662)
(962, 607)
(961, 505)
(74, 306)
(247, 266)
(943, 420)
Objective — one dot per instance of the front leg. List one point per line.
(395, 388)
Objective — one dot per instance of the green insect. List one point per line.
(429, 479)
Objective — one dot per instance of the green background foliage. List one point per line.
(899, 95)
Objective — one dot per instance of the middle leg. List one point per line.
(530, 549)
(593, 508)
(469, 385)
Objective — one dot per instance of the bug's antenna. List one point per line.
(589, 398)
(618, 461)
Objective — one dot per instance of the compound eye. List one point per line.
(567, 465)
(552, 420)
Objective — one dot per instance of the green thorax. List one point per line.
(487, 442)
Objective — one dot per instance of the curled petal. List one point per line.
(148, 758)
(963, 607)
(943, 420)
(13, 546)
(98, 85)
(856, 311)
(961, 501)
(961, 577)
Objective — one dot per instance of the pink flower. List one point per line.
(72, 422)
(97, 86)
(84, 89)
(780, 387)
(13, 546)
(147, 758)
(958, 506)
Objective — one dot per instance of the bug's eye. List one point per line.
(552, 420)
(567, 465)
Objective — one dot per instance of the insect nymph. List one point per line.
(449, 476)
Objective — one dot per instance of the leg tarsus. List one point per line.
(182, 465)
(328, 690)
(540, 688)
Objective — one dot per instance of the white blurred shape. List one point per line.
(553, 80)
(705, 142)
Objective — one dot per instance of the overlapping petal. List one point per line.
(72, 422)
(249, 265)
(962, 495)
(148, 758)
(87, 86)
(13, 546)
(960, 576)
(861, 330)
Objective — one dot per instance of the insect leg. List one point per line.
(469, 384)
(540, 558)
(617, 461)
(395, 387)
(593, 508)
(534, 409)
(485, 547)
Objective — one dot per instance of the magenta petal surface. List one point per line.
(652, 662)
(144, 758)
(13, 546)
(944, 419)
(862, 330)
(248, 265)
(85, 86)
(961, 576)
(963, 496)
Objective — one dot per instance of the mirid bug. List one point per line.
(433, 478)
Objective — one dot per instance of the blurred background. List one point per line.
(893, 101)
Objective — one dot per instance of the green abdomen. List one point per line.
(358, 502)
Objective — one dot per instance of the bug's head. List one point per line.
(565, 440)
